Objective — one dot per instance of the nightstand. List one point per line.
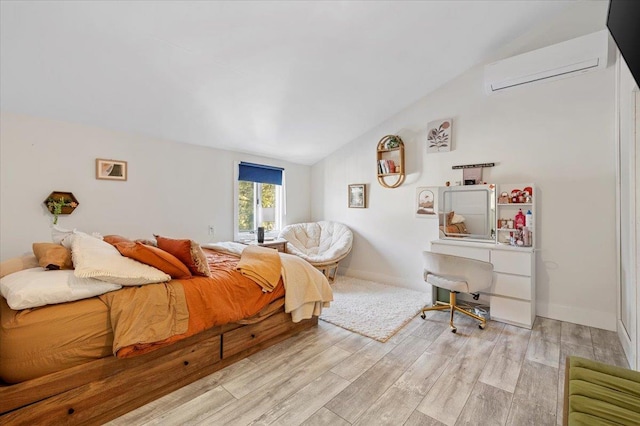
(280, 245)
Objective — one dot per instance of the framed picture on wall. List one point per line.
(426, 202)
(111, 169)
(439, 135)
(358, 195)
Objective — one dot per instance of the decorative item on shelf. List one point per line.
(504, 198)
(514, 195)
(392, 142)
(520, 220)
(390, 158)
(439, 135)
(529, 219)
(61, 203)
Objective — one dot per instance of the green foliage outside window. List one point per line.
(247, 203)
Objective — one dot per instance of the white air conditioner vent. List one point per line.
(566, 59)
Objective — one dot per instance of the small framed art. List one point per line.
(111, 169)
(358, 195)
(439, 135)
(426, 202)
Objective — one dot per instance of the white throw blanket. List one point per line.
(307, 290)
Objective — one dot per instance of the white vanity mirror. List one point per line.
(468, 212)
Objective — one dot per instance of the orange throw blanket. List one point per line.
(226, 297)
(262, 265)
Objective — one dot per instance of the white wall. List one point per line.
(559, 135)
(173, 189)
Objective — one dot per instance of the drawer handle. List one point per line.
(253, 336)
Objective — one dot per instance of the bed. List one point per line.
(57, 364)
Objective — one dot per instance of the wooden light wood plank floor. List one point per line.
(424, 375)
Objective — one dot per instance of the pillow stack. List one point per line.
(78, 265)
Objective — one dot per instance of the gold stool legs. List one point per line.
(441, 306)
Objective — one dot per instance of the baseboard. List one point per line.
(627, 346)
(588, 317)
(385, 279)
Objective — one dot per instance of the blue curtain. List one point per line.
(260, 173)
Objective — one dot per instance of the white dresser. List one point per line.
(512, 297)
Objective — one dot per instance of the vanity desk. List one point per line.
(512, 297)
(497, 224)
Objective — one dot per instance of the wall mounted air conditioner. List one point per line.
(566, 59)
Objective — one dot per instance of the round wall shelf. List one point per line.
(390, 156)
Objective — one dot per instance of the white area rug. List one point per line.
(372, 309)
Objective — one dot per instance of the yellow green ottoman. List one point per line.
(600, 394)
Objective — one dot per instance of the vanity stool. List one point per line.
(456, 274)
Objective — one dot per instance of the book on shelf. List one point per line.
(386, 166)
(391, 166)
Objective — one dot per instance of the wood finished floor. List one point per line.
(424, 375)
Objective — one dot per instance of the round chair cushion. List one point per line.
(318, 242)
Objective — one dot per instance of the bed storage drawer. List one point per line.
(242, 338)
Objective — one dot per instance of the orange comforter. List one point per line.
(226, 297)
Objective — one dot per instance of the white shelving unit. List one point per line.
(509, 210)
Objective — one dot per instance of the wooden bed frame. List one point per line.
(104, 389)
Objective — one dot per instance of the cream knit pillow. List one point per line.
(95, 258)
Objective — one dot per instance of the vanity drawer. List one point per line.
(511, 262)
(511, 285)
(470, 252)
(511, 311)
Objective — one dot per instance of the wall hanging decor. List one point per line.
(358, 195)
(439, 135)
(61, 203)
(390, 158)
(472, 173)
(111, 169)
(426, 202)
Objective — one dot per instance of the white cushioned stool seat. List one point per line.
(451, 285)
(456, 274)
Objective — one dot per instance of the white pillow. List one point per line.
(64, 237)
(94, 258)
(457, 219)
(34, 287)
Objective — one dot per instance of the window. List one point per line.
(259, 200)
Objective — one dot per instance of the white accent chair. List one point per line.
(323, 244)
(456, 274)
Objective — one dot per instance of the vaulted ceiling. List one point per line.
(283, 79)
